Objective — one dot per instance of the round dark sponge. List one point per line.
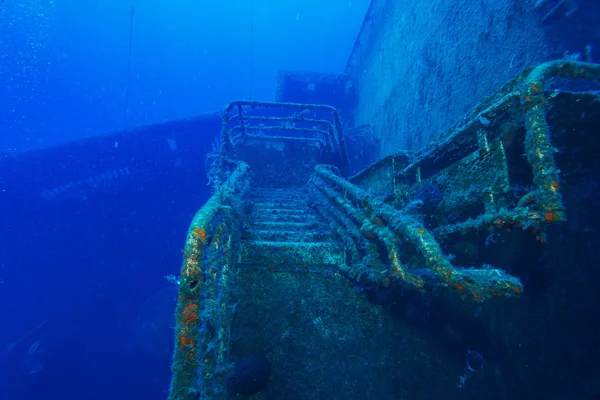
(252, 374)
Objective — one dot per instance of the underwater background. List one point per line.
(110, 117)
(86, 312)
(65, 63)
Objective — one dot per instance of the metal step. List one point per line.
(296, 204)
(276, 191)
(283, 230)
(302, 236)
(291, 253)
(258, 212)
(286, 226)
(282, 217)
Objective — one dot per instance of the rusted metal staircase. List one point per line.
(282, 231)
(286, 227)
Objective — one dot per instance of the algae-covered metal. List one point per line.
(282, 142)
(494, 171)
(393, 225)
(203, 314)
(380, 222)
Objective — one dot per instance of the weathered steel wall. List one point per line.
(419, 66)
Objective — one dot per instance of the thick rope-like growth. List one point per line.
(203, 317)
(380, 221)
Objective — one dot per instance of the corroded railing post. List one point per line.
(537, 142)
(203, 317)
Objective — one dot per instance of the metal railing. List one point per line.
(242, 120)
(203, 314)
(525, 97)
(368, 226)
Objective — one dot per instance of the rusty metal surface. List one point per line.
(203, 314)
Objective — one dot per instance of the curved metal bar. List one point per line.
(478, 284)
(203, 318)
(538, 146)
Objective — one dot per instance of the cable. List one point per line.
(131, 12)
(251, 48)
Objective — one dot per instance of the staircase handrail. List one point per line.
(203, 317)
(378, 220)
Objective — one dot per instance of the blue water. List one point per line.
(64, 63)
(108, 111)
